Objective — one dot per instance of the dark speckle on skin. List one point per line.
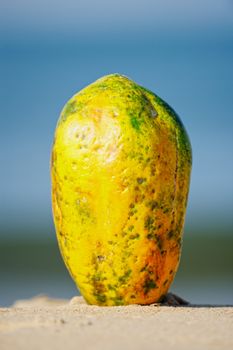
(170, 234)
(135, 236)
(152, 204)
(156, 238)
(100, 258)
(99, 288)
(140, 180)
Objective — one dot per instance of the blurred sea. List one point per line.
(38, 75)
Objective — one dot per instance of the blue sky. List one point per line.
(82, 17)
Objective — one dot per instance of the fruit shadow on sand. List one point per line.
(174, 300)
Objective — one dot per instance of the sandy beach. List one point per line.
(44, 323)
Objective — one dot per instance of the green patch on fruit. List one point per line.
(135, 122)
(70, 108)
(122, 279)
(118, 300)
(148, 285)
(101, 298)
(148, 224)
(111, 287)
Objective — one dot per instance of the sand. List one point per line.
(43, 323)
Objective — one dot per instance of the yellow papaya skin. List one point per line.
(120, 171)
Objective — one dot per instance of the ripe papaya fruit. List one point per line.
(120, 172)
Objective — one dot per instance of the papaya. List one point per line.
(120, 173)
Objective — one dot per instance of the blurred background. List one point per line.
(183, 51)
